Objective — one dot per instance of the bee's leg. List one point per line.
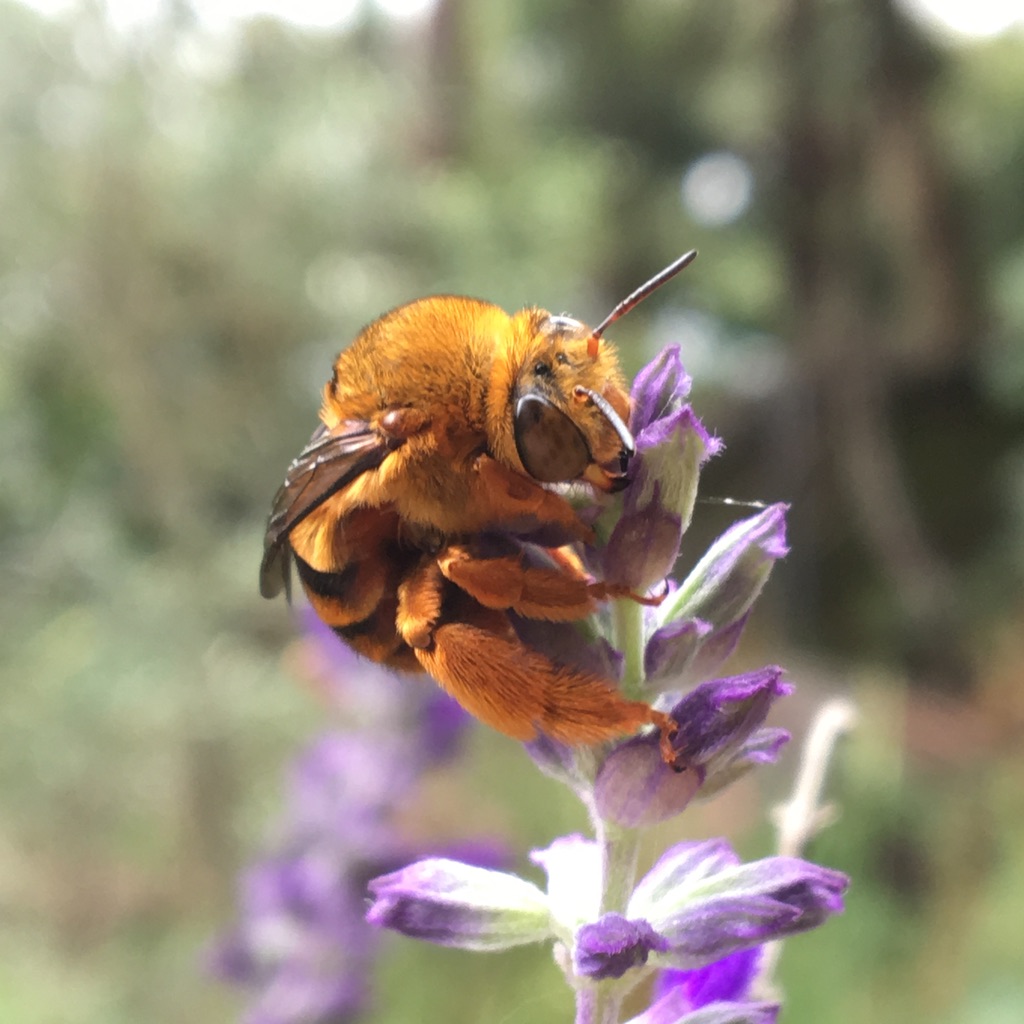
(603, 591)
(507, 496)
(420, 596)
(560, 593)
(518, 691)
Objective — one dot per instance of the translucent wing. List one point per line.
(332, 459)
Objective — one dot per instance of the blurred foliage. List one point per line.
(192, 222)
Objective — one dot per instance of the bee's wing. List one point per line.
(332, 459)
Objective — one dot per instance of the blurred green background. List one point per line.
(197, 211)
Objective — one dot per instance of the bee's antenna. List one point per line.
(635, 298)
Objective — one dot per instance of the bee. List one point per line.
(423, 515)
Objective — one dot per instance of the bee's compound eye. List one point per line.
(552, 448)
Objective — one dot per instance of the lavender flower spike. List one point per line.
(719, 592)
(705, 915)
(455, 904)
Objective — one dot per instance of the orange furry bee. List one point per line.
(441, 426)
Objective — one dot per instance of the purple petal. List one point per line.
(636, 789)
(762, 747)
(672, 433)
(713, 927)
(716, 648)
(725, 980)
(610, 947)
(673, 647)
(815, 892)
(671, 1008)
(659, 389)
(658, 503)
(727, 580)
(716, 717)
(643, 545)
(679, 869)
(717, 720)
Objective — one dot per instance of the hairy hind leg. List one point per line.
(520, 692)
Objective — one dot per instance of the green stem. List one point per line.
(628, 637)
(619, 848)
(601, 1003)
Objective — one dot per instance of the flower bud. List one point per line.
(719, 738)
(613, 945)
(659, 389)
(707, 914)
(718, 593)
(455, 904)
(671, 446)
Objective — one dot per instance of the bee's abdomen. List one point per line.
(358, 599)
(346, 597)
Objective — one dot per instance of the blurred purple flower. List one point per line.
(301, 944)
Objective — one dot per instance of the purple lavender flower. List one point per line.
(301, 944)
(610, 947)
(728, 980)
(720, 737)
(659, 389)
(707, 908)
(671, 446)
(301, 947)
(699, 624)
(719, 993)
(454, 904)
(716, 718)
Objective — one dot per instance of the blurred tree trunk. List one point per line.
(880, 293)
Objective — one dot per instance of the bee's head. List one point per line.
(569, 405)
(567, 395)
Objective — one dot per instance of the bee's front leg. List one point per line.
(559, 593)
(500, 495)
(420, 598)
